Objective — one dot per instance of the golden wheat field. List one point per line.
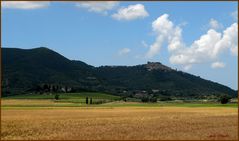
(121, 123)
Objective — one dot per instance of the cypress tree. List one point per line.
(86, 100)
(90, 100)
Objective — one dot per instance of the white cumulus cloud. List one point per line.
(98, 7)
(235, 15)
(207, 48)
(165, 31)
(131, 12)
(217, 65)
(234, 51)
(24, 5)
(228, 40)
(214, 24)
(124, 51)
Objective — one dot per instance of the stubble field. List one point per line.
(120, 123)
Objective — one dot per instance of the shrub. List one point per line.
(125, 99)
(99, 101)
(153, 99)
(145, 99)
(149, 99)
(224, 99)
(165, 98)
(57, 96)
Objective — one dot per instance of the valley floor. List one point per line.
(119, 123)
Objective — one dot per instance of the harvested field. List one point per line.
(131, 123)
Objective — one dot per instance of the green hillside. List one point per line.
(167, 81)
(25, 69)
(42, 70)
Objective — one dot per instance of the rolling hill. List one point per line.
(25, 69)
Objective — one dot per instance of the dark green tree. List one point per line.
(125, 99)
(224, 99)
(53, 88)
(86, 100)
(165, 98)
(57, 96)
(45, 87)
(90, 100)
(145, 99)
(153, 99)
(57, 88)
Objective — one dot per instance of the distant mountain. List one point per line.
(25, 69)
(155, 76)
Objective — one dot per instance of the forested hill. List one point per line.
(24, 70)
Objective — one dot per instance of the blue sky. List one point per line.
(197, 37)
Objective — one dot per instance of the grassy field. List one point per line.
(82, 95)
(77, 98)
(41, 117)
(41, 103)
